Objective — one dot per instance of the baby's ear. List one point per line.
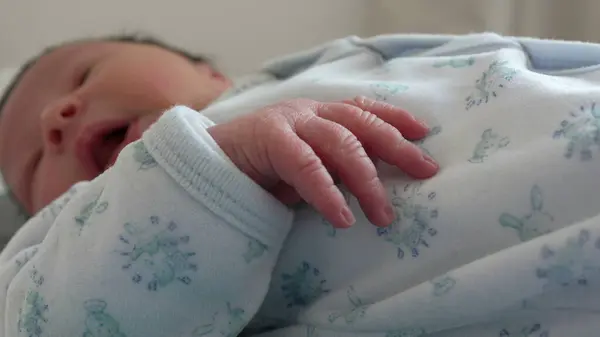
(210, 71)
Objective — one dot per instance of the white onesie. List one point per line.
(504, 241)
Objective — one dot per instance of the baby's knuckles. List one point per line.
(249, 140)
(302, 105)
(364, 102)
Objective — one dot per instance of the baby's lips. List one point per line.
(144, 123)
(133, 134)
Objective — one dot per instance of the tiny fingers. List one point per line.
(298, 165)
(403, 121)
(383, 140)
(345, 154)
(318, 139)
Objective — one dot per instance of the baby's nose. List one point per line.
(57, 122)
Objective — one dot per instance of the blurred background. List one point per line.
(241, 34)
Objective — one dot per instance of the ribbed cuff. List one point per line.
(179, 142)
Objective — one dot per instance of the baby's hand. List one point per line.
(296, 145)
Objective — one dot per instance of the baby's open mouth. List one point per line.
(107, 151)
(98, 148)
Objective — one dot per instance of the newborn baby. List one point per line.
(180, 237)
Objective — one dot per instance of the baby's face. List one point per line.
(77, 107)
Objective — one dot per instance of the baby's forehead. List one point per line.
(53, 58)
(38, 74)
(63, 55)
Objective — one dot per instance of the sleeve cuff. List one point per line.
(179, 142)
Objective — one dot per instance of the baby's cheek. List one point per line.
(54, 178)
(47, 191)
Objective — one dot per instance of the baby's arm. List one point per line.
(173, 241)
(136, 254)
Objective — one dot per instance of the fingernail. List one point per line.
(388, 215)
(423, 124)
(430, 164)
(348, 217)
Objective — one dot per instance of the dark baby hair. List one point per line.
(128, 38)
